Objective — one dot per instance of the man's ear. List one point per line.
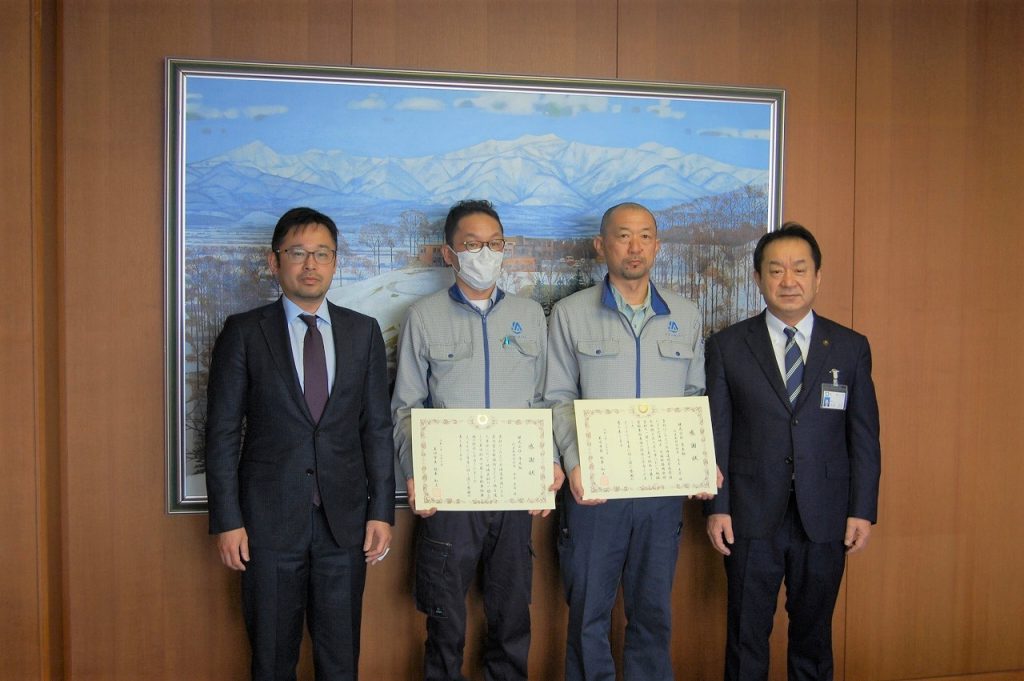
(448, 254)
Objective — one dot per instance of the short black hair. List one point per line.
(300, 217)
(790, 230)
(629, 205)
(464, 208)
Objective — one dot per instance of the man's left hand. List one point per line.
(857, 532)
(378, 541)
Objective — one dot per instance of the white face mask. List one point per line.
(479, 270)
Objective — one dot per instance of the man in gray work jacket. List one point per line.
(622, 338)
(471, 346)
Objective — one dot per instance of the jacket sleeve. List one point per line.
(720, 404)
(540, 374)
(226, 392)
(695, 375)
(375, 431)
(562, 387)
(411, 389)
(862, 437)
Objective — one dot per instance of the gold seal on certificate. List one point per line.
(483, 459)
(647, 447)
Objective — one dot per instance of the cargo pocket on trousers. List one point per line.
(431, 576)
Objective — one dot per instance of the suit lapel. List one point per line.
(275, 331)
(817, 354)
(343, 355)
(760, 343)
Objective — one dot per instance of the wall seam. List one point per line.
(853, 296)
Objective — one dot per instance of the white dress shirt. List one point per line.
(776, 332)
(297, 334)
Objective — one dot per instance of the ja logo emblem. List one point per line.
(673, 327)
(517, 328)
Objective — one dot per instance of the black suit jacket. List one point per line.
(762, 444)
(264, 479)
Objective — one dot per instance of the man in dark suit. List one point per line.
(299, 457)
(796, 436)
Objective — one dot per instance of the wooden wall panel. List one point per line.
(939, 236)
(530, 37)
(19, 590)
(30, 561)
(996, 676)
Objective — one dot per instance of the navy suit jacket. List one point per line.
(763, 445)
(262, 445)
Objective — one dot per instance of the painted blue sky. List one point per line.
(401, 121)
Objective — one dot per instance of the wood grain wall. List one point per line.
(19, 542)
(940, 169)
(903, 153)
(30, 507)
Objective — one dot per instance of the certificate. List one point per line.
(654, 447)
(483, 459)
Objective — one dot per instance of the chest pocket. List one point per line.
(673, 349)
(450, 352)
(597, 348)
(526, 346)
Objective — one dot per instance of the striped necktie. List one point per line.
(794, 365)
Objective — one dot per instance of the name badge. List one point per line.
(833, 395)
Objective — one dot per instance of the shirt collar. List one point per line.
(654, 299)
(803, 327)
(627, 309)
(292, 311)
(456, 294)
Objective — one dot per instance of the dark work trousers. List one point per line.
(450, 547)
(635, 541)
(322, 584)
(755, 570)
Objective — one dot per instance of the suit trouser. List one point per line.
(450, 548)
(755, 571)
(635, 541)
(321, 583)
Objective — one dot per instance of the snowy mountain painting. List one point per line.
(386, 154)
(552, 187)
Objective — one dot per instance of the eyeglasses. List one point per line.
(297, 255)
(496, 245)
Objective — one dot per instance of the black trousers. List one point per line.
(321, 584)
(451, 547)
(812, 573)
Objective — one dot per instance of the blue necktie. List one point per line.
(314, 378)
(794, 365)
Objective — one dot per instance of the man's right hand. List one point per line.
(720, 532)
(233, 547)
(576, 485)
(410, 485)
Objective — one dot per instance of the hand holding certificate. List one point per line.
(483, 459)
(646, 447)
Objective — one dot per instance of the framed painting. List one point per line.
(386, 153)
